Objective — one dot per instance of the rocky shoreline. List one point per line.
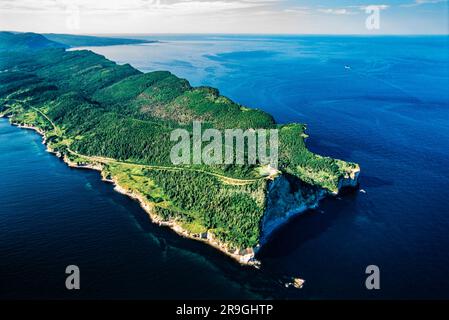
(270, 222)
(244, 257)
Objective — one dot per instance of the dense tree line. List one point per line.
(233, 212)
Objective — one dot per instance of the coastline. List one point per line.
(244, 256)
(247, 259)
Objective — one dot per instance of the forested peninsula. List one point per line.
(94, 113)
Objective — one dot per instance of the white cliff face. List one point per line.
(351, 179)
(285, 199)
(288, 197)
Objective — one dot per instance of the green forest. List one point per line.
(92, 107)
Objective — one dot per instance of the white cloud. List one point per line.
(298, 10)
(421, 2)
(351, 10)
(378, 6)
(341, 11)
(221, 16)
(126, 6)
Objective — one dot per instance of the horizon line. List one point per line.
(237, 34)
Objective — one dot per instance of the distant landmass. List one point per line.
(11, 41)
(113, 118)
(86, 41)
(34, 41)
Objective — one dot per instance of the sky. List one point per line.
(226, 16)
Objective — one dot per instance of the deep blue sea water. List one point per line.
(382, 102)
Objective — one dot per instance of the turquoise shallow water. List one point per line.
(381, 101)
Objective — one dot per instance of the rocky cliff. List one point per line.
(288, 196)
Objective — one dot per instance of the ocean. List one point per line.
(382, 102)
